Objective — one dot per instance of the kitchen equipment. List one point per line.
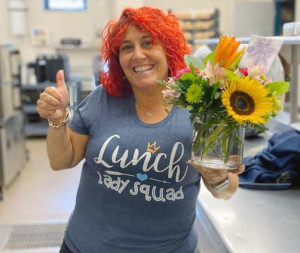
(15, 66)
(6, 97)
(12, 149)
(46, 67)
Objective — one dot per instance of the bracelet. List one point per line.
(62, 123)
(221, 186)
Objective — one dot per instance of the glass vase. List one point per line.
(217, 144)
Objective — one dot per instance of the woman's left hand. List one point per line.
(213, 177)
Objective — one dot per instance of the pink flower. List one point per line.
(268, 80)
(182, 71)
(198, 72)
(214, 75)
(244, 71)
(169, 94)
(208, 69)
(256, 71)
(219, 72)
(171, 82)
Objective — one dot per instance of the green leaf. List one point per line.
(209, 93)
(280, 87)
(217, 95)
(260, 127)
(191, 60)
(231, 75)
(162, 82)
(187, 76)
(235, 63)
(210, 57)
(185, 84)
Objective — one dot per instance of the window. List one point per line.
(65, 5)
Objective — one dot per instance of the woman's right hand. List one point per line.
(53, 101)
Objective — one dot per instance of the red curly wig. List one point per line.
(163, 28)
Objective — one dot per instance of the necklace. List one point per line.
(148, 113)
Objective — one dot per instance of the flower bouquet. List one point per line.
(223, 98)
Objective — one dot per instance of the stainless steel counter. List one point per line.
(255, 220)
(260, 221)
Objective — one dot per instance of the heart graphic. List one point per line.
(142, 177)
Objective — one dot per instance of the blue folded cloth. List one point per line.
(278, 163)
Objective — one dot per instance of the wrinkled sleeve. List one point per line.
(84, 113)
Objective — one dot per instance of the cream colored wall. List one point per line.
(3, 22)
(177, 5)
(297, 18)
(225, 7)
(60, 25)
(119, 5)
(84, 24)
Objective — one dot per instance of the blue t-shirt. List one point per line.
(136, 192)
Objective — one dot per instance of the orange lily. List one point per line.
(226, 51)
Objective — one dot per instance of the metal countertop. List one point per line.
(260, 221)
(255, 220)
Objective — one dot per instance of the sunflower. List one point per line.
(246, 100)
(194, 94)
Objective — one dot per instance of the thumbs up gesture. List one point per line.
(53, 101)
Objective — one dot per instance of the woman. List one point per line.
(137, 193)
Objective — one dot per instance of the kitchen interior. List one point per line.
(39, 37)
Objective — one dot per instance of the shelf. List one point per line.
(205, 15)
(215, 29)
(35, 126)
(75, 47)
(74, 81)
(40, 86)
(197, 27)
(287, 40)
(198, 19)
(29, 109)
(36, 129)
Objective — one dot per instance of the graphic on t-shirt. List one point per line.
(119, 181)
(152, 147)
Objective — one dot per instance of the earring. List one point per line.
(124, 77)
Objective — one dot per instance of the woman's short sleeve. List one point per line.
(85, 112)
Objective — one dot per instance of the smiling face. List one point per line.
(142, 61)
